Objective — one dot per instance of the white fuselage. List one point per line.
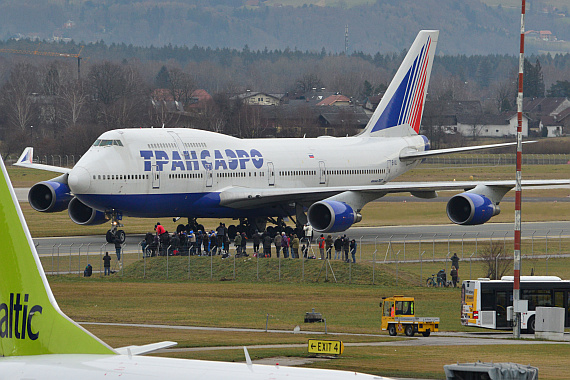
(143, 171)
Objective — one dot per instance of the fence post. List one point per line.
(470, 259)
(420, 244)
(421, 267)
(397, 260)
(167, 262)
(546, 238)
(547, 257)
(532, 243)
(405, 236)
(433, 248)
(462, 239)
(58, 247)
(52, 253)
(71, 245)
(80, 259)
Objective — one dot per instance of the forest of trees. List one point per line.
(467, 27)
(43, 103)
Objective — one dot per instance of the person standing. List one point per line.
(337, 248)
(353, 250)
(345, 247)
(453, 274)
(295, 247)
(277, 242)
(243, 243)
(237, 243)
(285, 245)
(220, 236)
(266, 245)
(118, 248)
(321, 243)
(329, 246)
(308, 230)
(455, 262)
(107, 263)
(256, 240)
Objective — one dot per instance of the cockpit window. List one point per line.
(100, 142)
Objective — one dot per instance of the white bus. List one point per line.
(484, 302)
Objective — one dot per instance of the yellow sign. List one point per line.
(334, 347)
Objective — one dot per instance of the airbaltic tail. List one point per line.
(37, 341)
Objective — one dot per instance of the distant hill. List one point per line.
(384, 26)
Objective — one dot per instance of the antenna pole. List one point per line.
(518, 188)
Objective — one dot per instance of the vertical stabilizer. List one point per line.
(400, 110)
(31, 323)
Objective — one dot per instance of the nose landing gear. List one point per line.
(115, 232)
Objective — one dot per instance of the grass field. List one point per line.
(263, 291)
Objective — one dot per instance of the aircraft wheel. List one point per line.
(180, 228)
(200, 227)
(392, 330)
(409, 330)
(110, 236)
(122, 236)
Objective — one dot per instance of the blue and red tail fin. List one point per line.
(400, 110)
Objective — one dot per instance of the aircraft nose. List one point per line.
(79, 180)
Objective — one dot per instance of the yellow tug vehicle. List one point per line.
(398, 317)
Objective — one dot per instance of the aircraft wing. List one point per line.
(26, 161)
(147, 348)
(246, 198)
(414, 155)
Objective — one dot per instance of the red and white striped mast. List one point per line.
(518, 188)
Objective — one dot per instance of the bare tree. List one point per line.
(307, 82)
(73, 99)
(17, 96)
(181, 86)
(495, 263)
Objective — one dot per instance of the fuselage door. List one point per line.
(155, 177)
(271, 174)
(322, 173)
(209, 176)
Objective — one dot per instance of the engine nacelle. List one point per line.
(471, 209)
(332, 216)
(49, 196)
(84, 215)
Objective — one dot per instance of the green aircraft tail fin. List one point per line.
(31, 322)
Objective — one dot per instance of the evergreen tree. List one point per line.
(560, 89)
(533, 80)
(162, 79)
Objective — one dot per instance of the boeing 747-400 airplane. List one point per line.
(190, 173)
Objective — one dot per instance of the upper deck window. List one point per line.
(100, 142)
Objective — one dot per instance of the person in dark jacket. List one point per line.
(338, 248)
(243, 243)
(353, 250)
(345, 247)
(285, 245)
(453, 274)
(107, 263)
(266, 245)
(118, 247)
(256, 241)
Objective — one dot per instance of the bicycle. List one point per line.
(431, 282)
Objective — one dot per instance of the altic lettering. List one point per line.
(16, 319)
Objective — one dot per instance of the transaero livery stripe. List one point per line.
(407, 102)
(217, 159)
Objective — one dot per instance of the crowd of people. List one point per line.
(218, 242)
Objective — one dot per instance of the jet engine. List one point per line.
(332, 216)
(471, 209)
(84, 215)
(49, 196)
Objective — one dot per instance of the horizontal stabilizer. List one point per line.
(146, 349)
(26, 161)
